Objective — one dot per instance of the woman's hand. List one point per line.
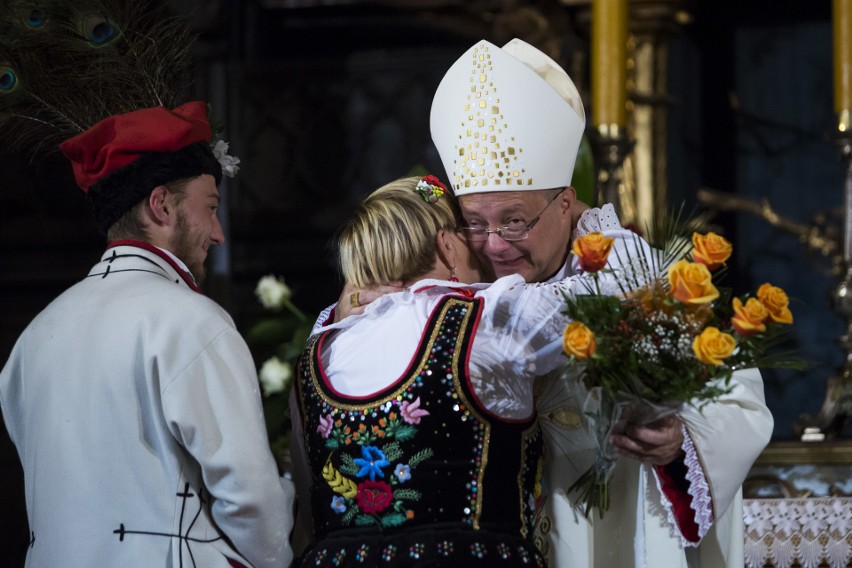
(352, 300)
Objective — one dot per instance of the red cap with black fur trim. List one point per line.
(120, 139)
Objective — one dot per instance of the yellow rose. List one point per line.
(776, 301)
(711, 249)
(592, 250)
(579, 341)
(691, 283)
(712, 346)
(748, 319)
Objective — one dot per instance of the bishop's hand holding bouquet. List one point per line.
(668, 337)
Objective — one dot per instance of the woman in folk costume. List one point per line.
(415, 417)
(513, 110)
(132, 399)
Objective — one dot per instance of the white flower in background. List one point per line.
(272, 291)
(275, 376)
(228, 163)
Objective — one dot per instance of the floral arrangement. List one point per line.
(284, 335)
(430, 188)
(668, 337)
(229, 163)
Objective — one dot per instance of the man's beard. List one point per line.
(183, 247)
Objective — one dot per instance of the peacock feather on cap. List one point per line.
(67, 64)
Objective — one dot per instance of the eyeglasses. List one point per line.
(514, 231)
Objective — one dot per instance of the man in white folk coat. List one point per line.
(507, 123)
(132, 399)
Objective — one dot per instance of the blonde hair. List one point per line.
(392, 235)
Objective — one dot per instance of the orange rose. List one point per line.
(711, 249)
(579, 341)
(592, 250)
(691, 283)
(748, 319)
(776, 301)
(712, 346)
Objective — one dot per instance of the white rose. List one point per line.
(275, 376)
(228, 163)
(271, 291)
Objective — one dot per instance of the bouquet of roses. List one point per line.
(668, 337)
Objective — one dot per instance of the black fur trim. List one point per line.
(116, 194)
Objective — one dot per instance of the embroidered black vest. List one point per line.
(422, 451)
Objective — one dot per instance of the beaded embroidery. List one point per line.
(373, 458)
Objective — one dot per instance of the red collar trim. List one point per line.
(152, 249)
(462, 291)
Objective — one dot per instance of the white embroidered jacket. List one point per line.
(134, 406)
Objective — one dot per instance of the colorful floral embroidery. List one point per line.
(371, 462)
(368, 454)
(411, 412)
(389, 553)
(391, 426)
(504, 551)
(416, 550)
(367, 496)
(363, 553)
(338, 504)
(374, 496)
(325, 426)
(374, 460)
(478, 550)
(402, 472)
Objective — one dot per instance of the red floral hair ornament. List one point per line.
(430, 189)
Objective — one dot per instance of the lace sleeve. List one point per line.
(699, 499)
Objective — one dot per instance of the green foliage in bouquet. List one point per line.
(281, 337)
(667, 337)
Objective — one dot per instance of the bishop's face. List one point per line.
(542, 253)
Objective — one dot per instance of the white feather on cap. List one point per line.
(507, 119)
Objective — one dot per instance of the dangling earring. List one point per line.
(453, 275)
